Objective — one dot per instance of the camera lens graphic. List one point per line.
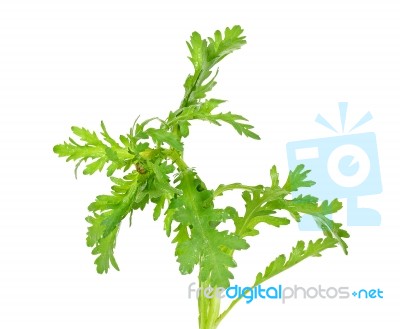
(348, 165)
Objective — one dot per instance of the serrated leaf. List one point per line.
(261, 207)
(163, 136)
(95, 166)
(194, 211)
(219, 47)
(159, 207)
(297, 179)
(270, 220)
(105, 249)
(93, 148)
(204, 55)
(115, 207)
(168, 221)
(257, 211)
(298, 254)
(203, 111)
(274, 178)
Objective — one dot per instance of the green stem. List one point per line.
(177, 119)
(176, 158)
(225, 313)
(191, 90)
(203, 308)
(213, 311)
(208, 308)
(229, 308)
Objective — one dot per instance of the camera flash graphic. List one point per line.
(344, 166)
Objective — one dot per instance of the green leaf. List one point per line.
(235, 121)
(274, 178)
(298, 254)
(105, 250)
(262, 206)
(107, 137)
(103, 245)
(204, 55)
(188, 254)
(108, 213)
(95, 166)
(270, 220)
(205, 245)
(93, 148)
(297, 179)
(159, 207)
(220, 47)
(308, 205)
(203, 111)
(332, 229)
(95, 231)
(258, 211)
(162, 136)
(168, 221)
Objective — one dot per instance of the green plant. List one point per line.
(151, 155)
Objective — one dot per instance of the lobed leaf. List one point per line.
(93, 148)
(205, 245)
(299, 253)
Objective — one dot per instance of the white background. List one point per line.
(65, 63)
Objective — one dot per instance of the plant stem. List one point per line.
(213, 311)
(208, 308)
(176, 158)
(203, 308)
(225, 313)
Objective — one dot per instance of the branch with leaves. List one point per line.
(150, 156)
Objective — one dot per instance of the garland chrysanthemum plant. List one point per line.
(155, 173)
